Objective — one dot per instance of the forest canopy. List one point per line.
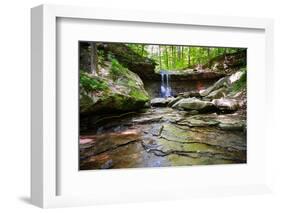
(173, 57)
(159, 57)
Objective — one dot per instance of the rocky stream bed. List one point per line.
(164, 137)
(133, 117)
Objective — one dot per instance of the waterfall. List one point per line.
(165, 90)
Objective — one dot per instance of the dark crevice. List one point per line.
(112, 148)
(161, 153)
(204, 143)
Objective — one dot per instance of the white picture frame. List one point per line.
(44, 135)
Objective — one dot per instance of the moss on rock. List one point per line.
(138, 64)
(120, 91)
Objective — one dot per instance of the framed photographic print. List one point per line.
(150, 105)
(131, 105)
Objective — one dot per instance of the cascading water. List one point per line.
(165, 87)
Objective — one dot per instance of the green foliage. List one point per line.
(241, 83)
(140, 49)
(116, 69)
(171, 57)
(101, 57)
(90, 84)
(167, 57)
(139, 95)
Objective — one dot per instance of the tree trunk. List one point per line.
(94, 58)
(182, 53)
(218, 51)
(167, 57)
(179, 53)
(142, 50)
(159, 55)
(188, 56)
(173, 56)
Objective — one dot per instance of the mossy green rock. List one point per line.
(144, 67)
(125, 93)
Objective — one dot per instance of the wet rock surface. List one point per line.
(161, 102)
(194, 104)
(164, 137)
(225, 104)
(219, 93)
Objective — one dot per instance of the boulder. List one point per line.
(197, 122)
(220, 83)
(224, 82)
(194, 104)
(173, 101)
(190, 94)
(120, 95)
(225, 104)
(216, 94)
(161, 102)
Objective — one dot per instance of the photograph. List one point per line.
(161, 105)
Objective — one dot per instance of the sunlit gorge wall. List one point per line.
(154, 87)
